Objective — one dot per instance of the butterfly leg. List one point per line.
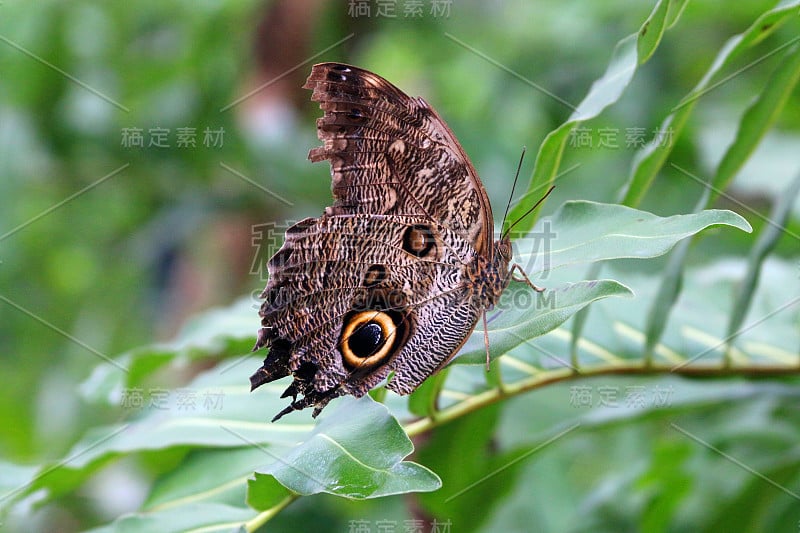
(486, 339)
(524, 277)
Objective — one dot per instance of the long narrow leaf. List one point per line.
(766, 242)
(757, 120)
(628, 54)
(650, 158)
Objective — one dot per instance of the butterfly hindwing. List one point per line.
(379, 265)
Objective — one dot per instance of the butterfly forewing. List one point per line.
(392, 154)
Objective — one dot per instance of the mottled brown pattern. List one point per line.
(408, 238)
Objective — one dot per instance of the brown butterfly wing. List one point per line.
(393, 154)
(311, 297)
(398, 248)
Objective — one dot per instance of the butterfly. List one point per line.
(394, 276)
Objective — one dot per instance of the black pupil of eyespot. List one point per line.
(366, 340)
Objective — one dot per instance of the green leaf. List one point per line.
(264, 492)
(765, 243)
(585, 232)
(752, 127)
(650, 158)
(651, 31)
(527, 314)
(582, 232)
(422, 402)
(696, 330)
(205, 517)
(661, 305)
(676, 8)
(224, 414)
(667, 484)
(579, 322)
(615, 462)
(355, 452)
(208, 476)
(219, 332)
(668, 291)
(481, 482)
(757, 119)
(216, 410)
(629, 53)
(753, 507)
(14, 479)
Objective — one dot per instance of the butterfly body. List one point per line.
(395, 275)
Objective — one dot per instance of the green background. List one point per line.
(93, 267)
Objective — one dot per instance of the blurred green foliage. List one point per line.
(106, 247)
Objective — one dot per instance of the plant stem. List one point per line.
(496, 394)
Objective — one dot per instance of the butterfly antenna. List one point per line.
(513, 186)
(529, 211)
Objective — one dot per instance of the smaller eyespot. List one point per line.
(418, 240)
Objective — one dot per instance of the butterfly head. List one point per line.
(502, 251)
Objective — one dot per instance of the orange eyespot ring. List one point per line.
(366, 338)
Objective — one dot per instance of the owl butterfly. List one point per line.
(394, 276)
